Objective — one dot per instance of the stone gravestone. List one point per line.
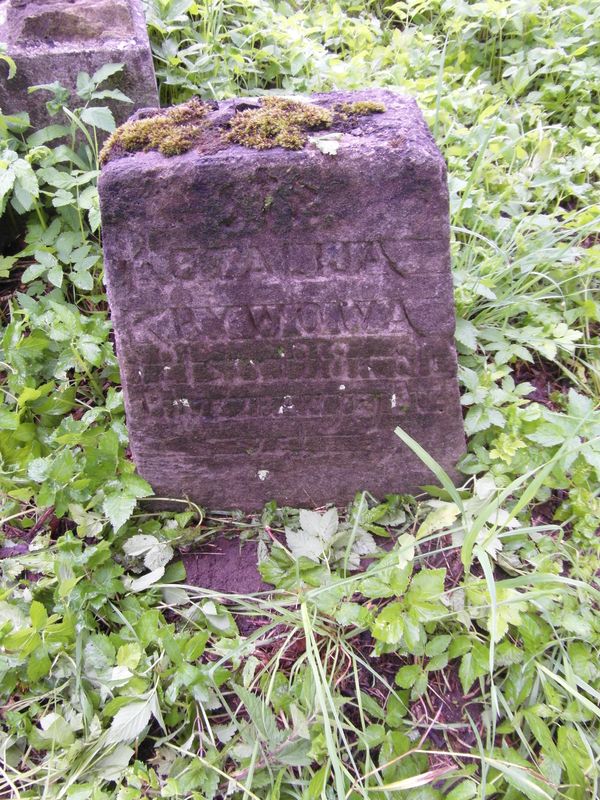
(278, 312)
(54, 40)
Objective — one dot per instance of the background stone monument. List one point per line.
(54, 40)
(278, 312)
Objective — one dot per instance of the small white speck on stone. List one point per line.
(183, 401)
(252, 362)
(263, 474)
(140, 372)
(393, 400)
(342, 387)
(166, 369)
(287, 404)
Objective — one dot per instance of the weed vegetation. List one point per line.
(461, 659)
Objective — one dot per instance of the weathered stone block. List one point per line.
(279, 312)
(54, 40)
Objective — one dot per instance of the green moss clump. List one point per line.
(279, 122)
(171, 132)
(359, 108)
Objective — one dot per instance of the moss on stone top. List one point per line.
(172, 132)
(359, 108)
(276, 122)
(279, 122)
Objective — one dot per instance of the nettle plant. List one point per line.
(52, 172)
(62, 435)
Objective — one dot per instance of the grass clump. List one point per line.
(278, 123)
(173, 132)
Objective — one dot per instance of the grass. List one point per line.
(462, 662)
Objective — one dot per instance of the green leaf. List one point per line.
(118, 508)
(55, 731)
(317, 783)
(466, 333)
(38, 615)
(128, 655)
(473, 665)
(12, 67)
(389, 576)
(129, 721)
(99, 117)
(32, 272)
(389, 624)
(296, 753)
(437, 645)
(441, 517)
(261, 715)
(406, 676)
(111, 767)
(106, 71)
(38, 664)
(465, 790)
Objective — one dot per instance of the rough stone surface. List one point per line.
(225, 565)
(278, 313)
(54, 40)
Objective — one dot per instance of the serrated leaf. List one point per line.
(118, 508)
(301, 544)
(158, 556)
(295, 753)
(99, 117)
(261, 716)
(441, 517)
(129, 721)
(466, 333)
(139, 544)
(322, 525)
(389, 625)
(407, 676)
(111, 767)
(128, 655)
(105, 71)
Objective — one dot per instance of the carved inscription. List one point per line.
(270, 349)
(296, 360)
(276, 321)
(315, 261)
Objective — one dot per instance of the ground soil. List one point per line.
(225, 565)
